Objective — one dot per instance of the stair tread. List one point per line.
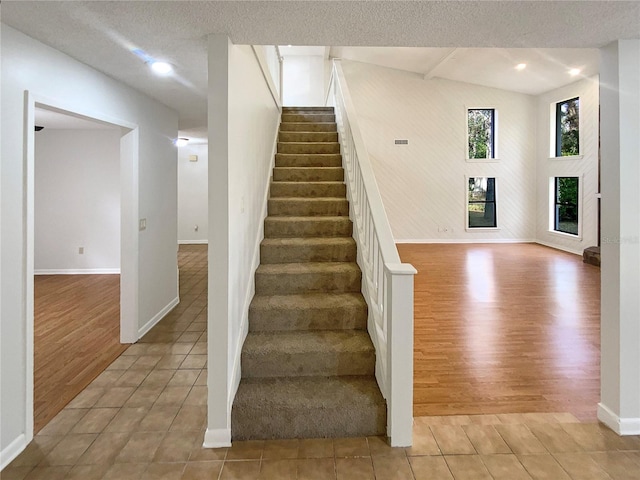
(307, 267)
(308, 218)
(308, 241)
(311, 182)
(299, 342)
(308, 199)
(305, 301)
(355, 392)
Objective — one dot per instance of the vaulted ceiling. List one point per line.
(103, 34)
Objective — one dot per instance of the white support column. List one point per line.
(619, 406)
(400, 354)
(218, 432)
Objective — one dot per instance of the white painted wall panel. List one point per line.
(423, 183)
(303, 80)
(585, 167)
(192, 194)
(77, 200)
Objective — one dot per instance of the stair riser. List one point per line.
(308, 127)
(307, 137)
(307, 109)
(300, 160)
(298, 283)
(343, 318)
(273, 228)
(303, 253)
(308, 174)
(308, 364)
(307, 117)
(308, 147)
(302, 189)
(249, 422)
(303, 208)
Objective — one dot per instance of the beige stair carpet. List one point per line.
(308, 363)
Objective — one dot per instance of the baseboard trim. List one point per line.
(77, 271)
(193, 242)
(12, 450)
(464, 240)
(622, 426)
(558, 247)
(157, 317)
(217, 438)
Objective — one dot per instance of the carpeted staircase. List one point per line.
(308, 362)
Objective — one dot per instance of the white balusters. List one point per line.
(387, 283)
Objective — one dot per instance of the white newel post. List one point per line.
(400, 353)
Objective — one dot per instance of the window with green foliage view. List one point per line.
(566, 205)
(481, 202)
(568, 128)
(481, 132)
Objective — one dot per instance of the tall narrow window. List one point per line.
(566, 205)
(568, 128)
(481, 133)
(481, 202)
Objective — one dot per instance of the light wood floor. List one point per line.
(504, 329)
(77, 335)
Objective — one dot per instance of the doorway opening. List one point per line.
(81, 253)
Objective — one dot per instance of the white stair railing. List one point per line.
(387, 284)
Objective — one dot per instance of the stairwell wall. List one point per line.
(423, 184)
(243, 122)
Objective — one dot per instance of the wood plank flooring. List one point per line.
(77, 335)
(504, 328)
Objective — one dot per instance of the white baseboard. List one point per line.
(622, 426)
(559, 247)
(156, 318)
(77, 271)
(217, 438)
(193, 242)
(464, 240)
(12, 450)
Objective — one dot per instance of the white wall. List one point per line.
(47, 73)
(192, 194)
(423, 183)
(243, 123)
(303, 80)
(585, 166)
(620, 316)
(77, 201)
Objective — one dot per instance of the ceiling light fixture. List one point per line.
(161, 68)
(521, 66)
(181, 142)
(574, 71)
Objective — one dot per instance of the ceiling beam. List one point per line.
(433, 71)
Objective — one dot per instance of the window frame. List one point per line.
(494, 131)
(555, 133)
(469, 228)
(553, 204)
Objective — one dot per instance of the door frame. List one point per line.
(129, 185)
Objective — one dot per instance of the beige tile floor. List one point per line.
(144, 418)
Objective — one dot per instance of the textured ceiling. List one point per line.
(102, 34)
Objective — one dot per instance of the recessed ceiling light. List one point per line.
(521, 66)
(181, 142)
(161, 68)
(574, 71)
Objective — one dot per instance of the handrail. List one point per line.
(387, 284)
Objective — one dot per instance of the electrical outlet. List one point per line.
(143, 224)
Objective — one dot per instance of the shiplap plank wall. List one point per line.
(423, 183)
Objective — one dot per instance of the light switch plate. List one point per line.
(143, 224)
